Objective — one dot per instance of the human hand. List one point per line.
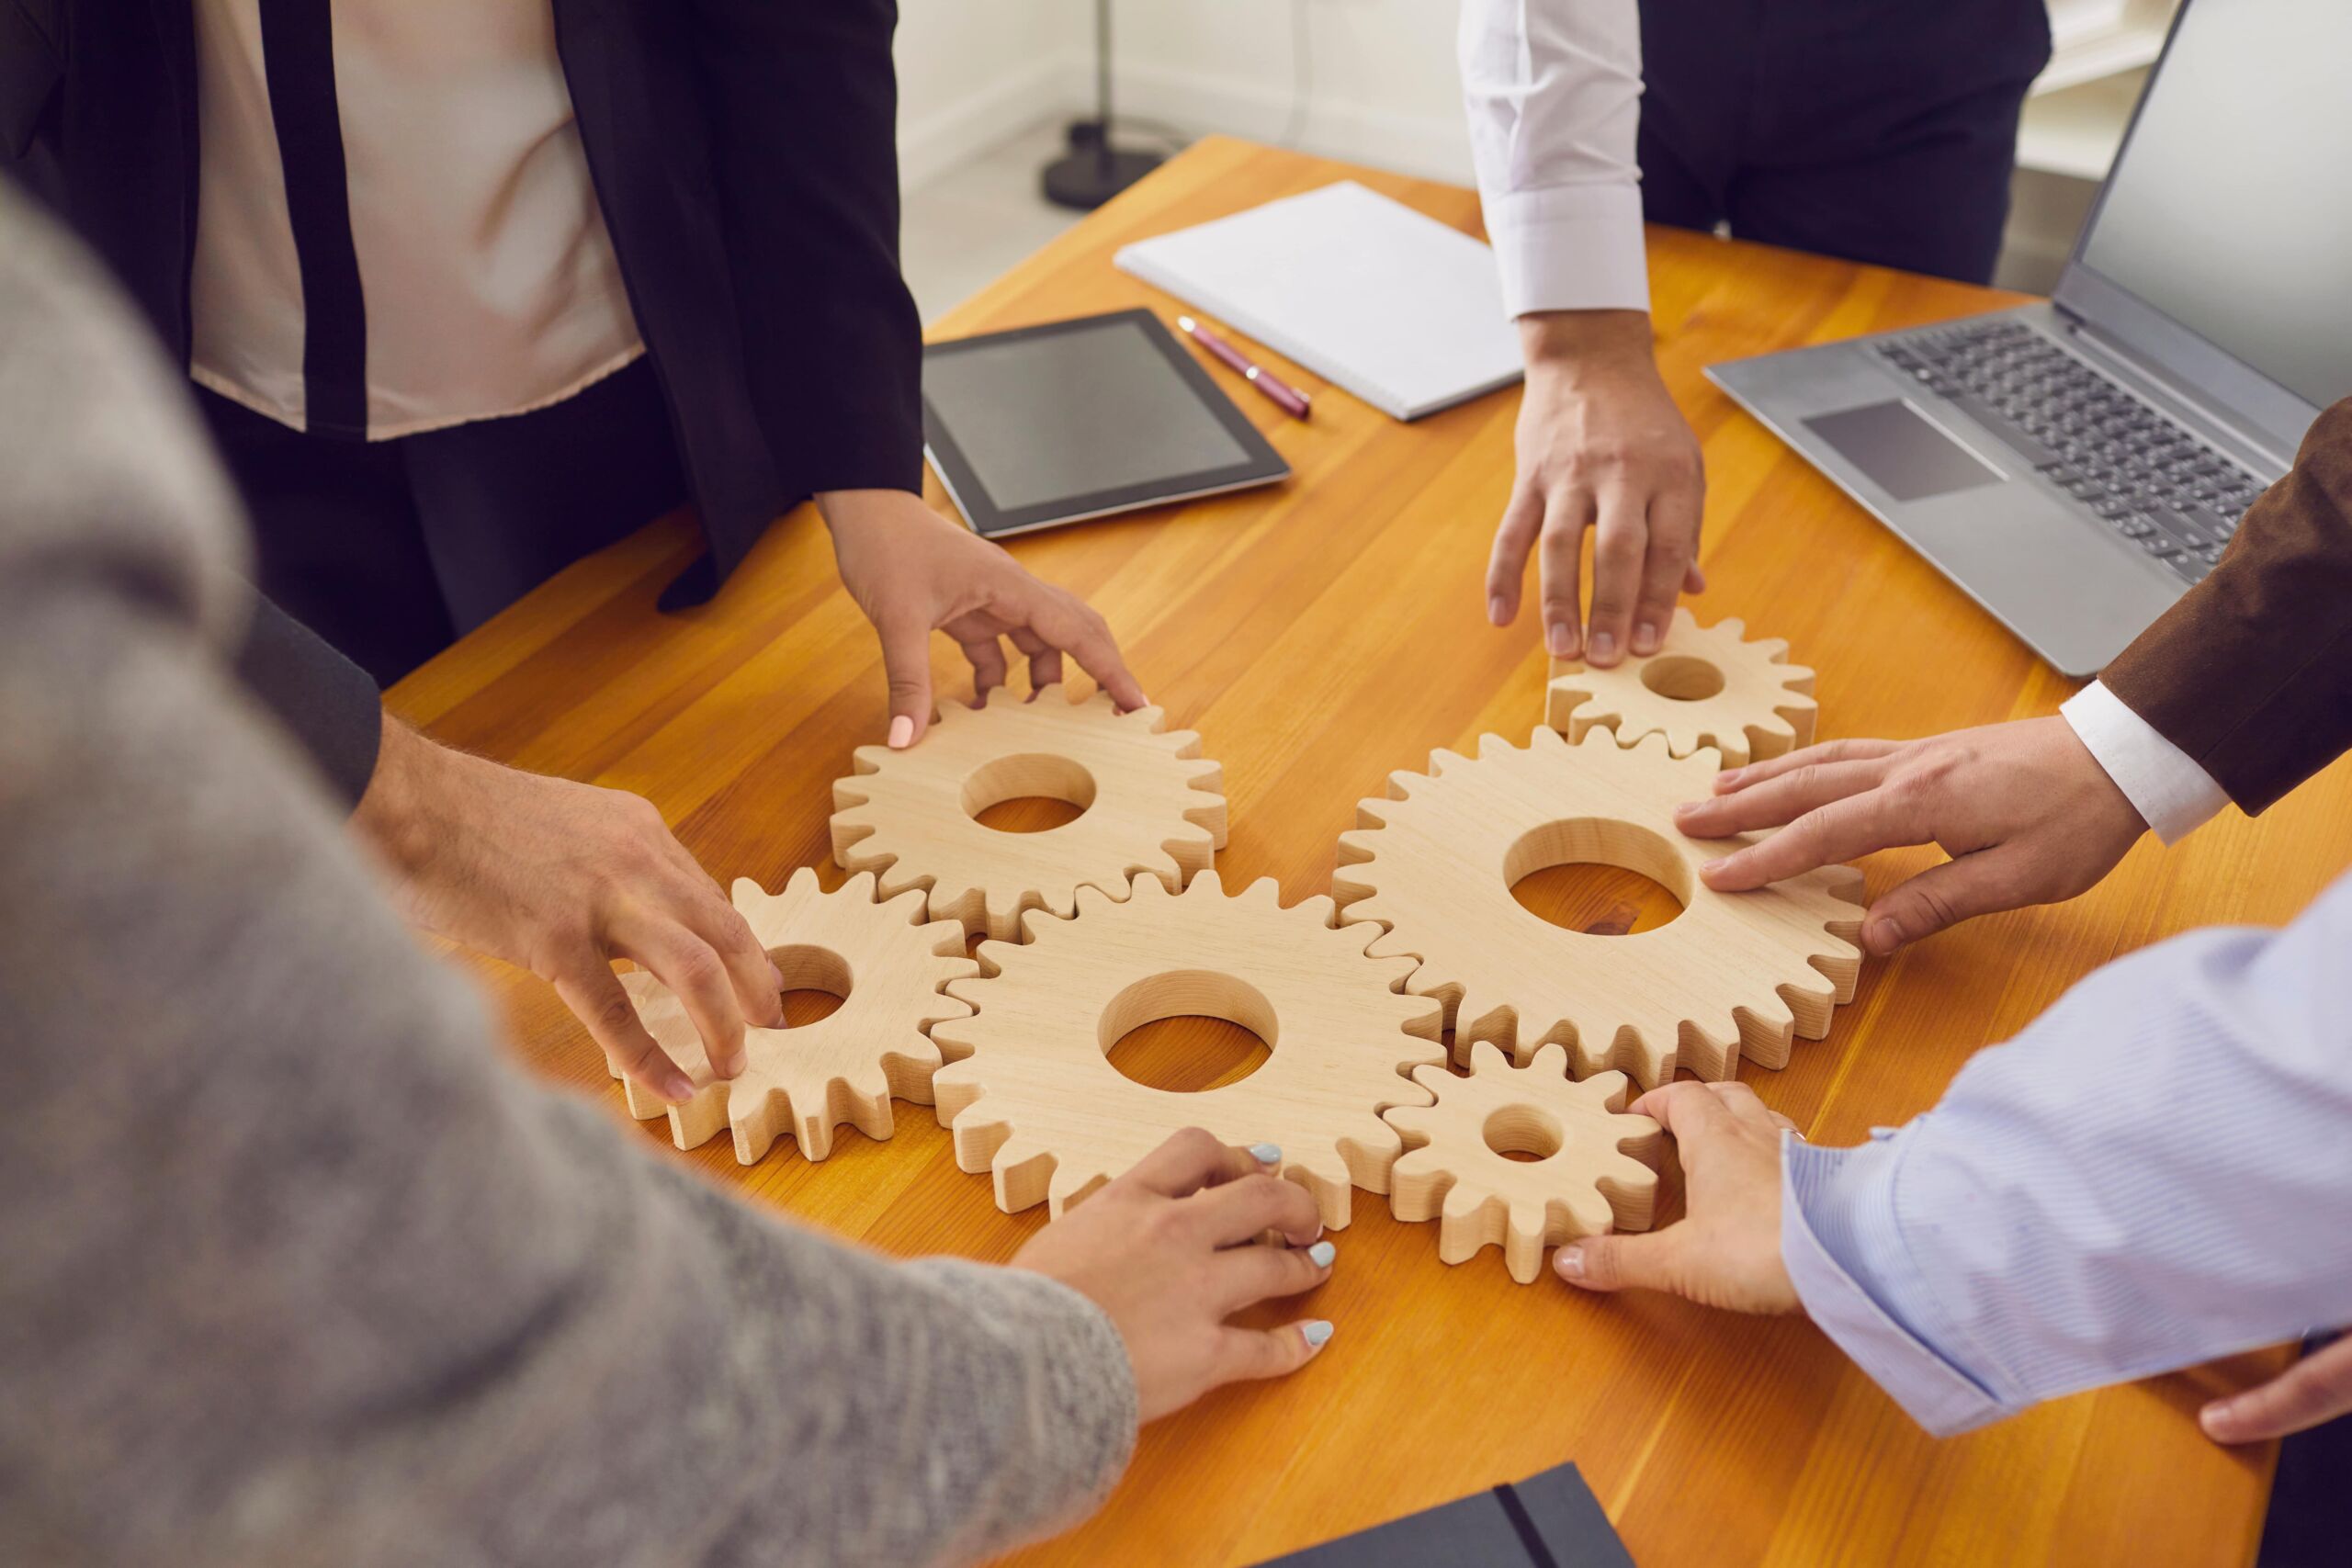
(2317, 1388)
(562, 878)
(1599, 442)
(1726, 1250)
(2024, 810)
(913, 571)
(1166, 1251)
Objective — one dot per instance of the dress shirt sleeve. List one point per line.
(1552, 89)
(2171, 793)
(2155, 1173)
(2250, 674)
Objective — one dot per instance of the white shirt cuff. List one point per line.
(2171, 793)
(1569, 247)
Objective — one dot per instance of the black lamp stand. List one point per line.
(1093, 171)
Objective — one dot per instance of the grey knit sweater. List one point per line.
(293, 1267)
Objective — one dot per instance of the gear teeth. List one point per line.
(1705, 686)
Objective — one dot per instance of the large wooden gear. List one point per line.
(1734, 974)
(1150, 806)
(1705, 686)
(887, 968)
(1032, 1094)
(1593, 1170)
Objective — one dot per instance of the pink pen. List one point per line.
(1288, 398)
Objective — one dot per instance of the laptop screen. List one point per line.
(2230, 211)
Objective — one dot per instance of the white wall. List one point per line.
(1382, 87)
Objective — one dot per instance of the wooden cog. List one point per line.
(885, 963)
(1150, 806)
(1594, 1169)
(1734, 973)
(1032, 1096)
(1705, 686)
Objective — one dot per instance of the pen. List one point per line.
(1287, 398)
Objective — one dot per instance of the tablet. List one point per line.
(1080, 419)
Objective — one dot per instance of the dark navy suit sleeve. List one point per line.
(328, 704)
(803, 100)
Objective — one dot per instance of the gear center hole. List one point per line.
(1030, 792)
(816, 983)
(1188, 1030)
(1524, 1132)
(1597, 877)
(1678, 678)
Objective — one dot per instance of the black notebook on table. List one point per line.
(1551, 1520)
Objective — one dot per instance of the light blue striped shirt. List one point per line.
(2156, 1172)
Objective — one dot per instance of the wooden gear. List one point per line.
(1734, 973)
(885, 963)
(1595, 1170)
(1705, 686)
(1149, 805)
(1032, 1094)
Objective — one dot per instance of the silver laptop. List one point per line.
(2076, 465)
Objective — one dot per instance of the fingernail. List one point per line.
(678, 1087)
(1684, 809)
(1646, 638)
(1883, 935)
(1495, 610)
(1562, 640)
(1714, 871)
(1568, 1263)
(1316, 1332)
(1604, 647)
(777, 970)
(902, 733)
(2213, 1416)
(1729, 777)
(1321, 1254)
(1266, 1154)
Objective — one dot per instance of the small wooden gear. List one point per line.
(1594, 1169)
(1031, 1093)
(885, 963)
(1734, 973)
(1705, 686)
(1150, 805)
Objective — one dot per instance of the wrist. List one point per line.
(393, 815)
(1576, 344)
(849, 510)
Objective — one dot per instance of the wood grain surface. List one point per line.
(1317, 635)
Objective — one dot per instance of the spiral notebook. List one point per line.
(1365, 292)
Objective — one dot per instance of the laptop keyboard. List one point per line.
(2125, 464)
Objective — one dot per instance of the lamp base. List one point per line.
(1090, 175)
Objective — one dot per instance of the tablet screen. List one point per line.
(1049, 424)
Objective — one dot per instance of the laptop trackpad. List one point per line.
(1902, 453)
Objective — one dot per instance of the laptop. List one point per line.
(2076, 465)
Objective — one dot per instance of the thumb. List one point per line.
(1939, 896)
(906, 662)
(1621, 1262)
(2313, 1389)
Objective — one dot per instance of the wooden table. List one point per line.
(1320, 634)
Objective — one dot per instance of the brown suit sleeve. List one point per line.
(2251, 672)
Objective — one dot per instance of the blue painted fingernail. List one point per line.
(1321, 1253)
(1266, 1154)
(1316, 1332)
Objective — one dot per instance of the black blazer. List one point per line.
(742, 151)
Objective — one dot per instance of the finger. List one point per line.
(1045, 660)
(1193, 1158)
(1560, 548)
(1946, 895)
(906, 663)
(596, 998)
(1839, 831)
(1245, 1276)
(1779, 800)
(758, 983)
(1249, 1206)
(1623, 1263)
(1758, 772)
(692, 968)
(1745, 1106)
(1069, 623)
(1687, 1111)
(2315, 1389)
(1254, 1354)
(986, 656)
(1620, 546)
(1507, 564)
(1694, 581)
(1671, 561)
